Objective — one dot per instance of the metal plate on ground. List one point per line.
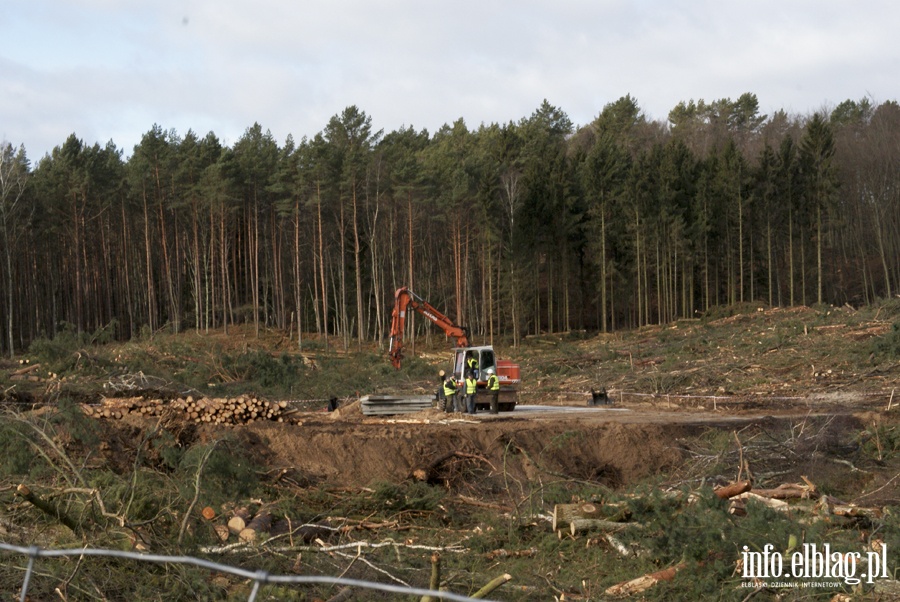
(387, 405)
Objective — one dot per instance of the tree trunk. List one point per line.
(604, 320)
(411, 318)
(357, 265)
(322, 266)
(151, 287)
(298, 284)
(791, 256)
(819, 244)
(345, 319)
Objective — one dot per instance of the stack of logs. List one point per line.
(243, 409)
(248, 526)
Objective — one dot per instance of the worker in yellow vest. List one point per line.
(450, 388)
(472, 364)
(471, 390)
(493, 386)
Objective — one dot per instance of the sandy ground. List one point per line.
(617, 445)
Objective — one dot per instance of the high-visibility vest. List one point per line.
(493, 383)
(471, 386)
(449, 387)
(472, 362)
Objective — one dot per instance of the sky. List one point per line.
(109, 70)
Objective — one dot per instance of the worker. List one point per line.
(439, 396)
(472, 364)
(493, 385)
(450, 388)
(471, 390)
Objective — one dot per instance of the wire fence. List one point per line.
(259, 578)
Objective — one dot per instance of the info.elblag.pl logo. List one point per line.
(814, 562)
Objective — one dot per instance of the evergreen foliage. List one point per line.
(533, 226)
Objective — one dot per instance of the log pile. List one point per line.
(588, 516)
(248, 526)
(243, 409)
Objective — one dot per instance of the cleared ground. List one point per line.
(801, 396)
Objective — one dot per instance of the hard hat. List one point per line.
(489, 371)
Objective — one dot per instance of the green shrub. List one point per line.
(265, 373)
(880, 441)
(68, 340)
(82, 429)
(886, 309)
(408, 496)
(227, 472)
(168, 449)
(16, 453)
(887, 346)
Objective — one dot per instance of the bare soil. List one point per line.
(667, 384)
(617, 446)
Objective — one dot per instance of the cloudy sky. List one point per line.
(111, 69)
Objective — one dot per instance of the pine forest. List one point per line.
(511, 229)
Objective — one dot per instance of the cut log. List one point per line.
(238, 522)
(737, 507)
(733, 489)
(261, 523)
(584, 525)
(617, 545)
(831, 505)
(788, 491)
(222, 532)
(564, 514)
(642, 584)
(26, 370)
(774, 504)
(856, 511)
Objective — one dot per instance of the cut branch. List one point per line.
(49, 509)
(643, 583)
(491, 586)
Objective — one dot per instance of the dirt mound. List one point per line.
(359, 452)
(351, 410)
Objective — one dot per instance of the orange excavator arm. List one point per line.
(403, 300)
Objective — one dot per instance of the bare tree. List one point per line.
(13, 176)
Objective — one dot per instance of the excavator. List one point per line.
(507, 371)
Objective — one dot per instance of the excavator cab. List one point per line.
(484, 358)
(506, 371)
